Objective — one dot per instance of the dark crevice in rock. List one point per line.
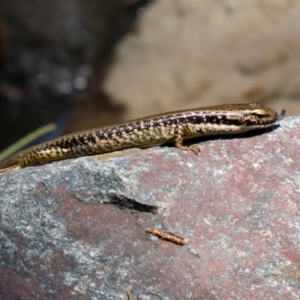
(127, 203)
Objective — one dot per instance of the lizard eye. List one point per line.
(261, 115)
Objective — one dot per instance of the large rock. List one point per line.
(76, 229)
(188, 53)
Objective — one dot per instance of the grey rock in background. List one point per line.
(76, 229)
(188, 53)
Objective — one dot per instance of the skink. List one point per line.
(169, 127)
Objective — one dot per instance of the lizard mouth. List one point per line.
(281, 116)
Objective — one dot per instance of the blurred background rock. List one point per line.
(82, 64)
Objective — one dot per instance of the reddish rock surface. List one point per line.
(76, 229)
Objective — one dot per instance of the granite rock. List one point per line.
(76, 229)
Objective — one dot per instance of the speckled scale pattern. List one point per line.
(154, 130)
